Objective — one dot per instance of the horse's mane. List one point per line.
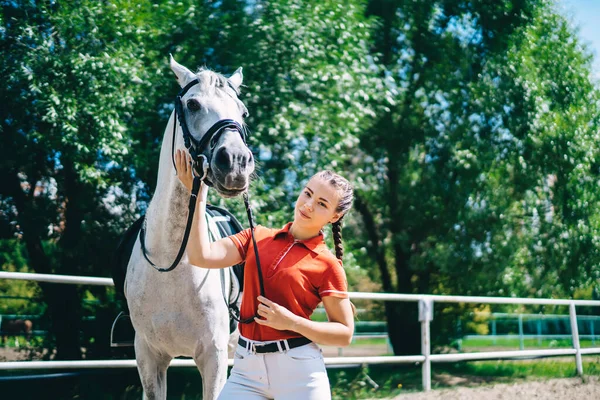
(210, 79)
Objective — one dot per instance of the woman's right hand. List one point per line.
(185, 173)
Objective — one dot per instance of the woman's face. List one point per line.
(316, 205)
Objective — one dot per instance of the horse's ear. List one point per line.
(184, 75)
(236, 78)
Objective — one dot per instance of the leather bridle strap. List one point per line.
(186, 234)
(181, 117)
(197, 147)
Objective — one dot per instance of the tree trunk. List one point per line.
(67, 319)
(64, 303)
(403, 322)
(403, 327)
(375, 248)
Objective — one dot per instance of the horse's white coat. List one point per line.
(182, 312)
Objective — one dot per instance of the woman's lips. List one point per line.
(303, 215)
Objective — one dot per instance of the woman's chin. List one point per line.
(300, 222)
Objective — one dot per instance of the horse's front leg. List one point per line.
(152, 368)
(211, 361)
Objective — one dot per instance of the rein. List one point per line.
(233, 310)
(196, 149)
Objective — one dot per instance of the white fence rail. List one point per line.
(425, 302)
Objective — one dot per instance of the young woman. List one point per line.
(277, 356)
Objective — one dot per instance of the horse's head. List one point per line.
(215, 98)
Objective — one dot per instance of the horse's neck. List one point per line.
(167, 213)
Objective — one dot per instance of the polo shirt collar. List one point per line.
(316, 244)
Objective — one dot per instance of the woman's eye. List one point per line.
(322, 204)
(306, 192)
(193, 105)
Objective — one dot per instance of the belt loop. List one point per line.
(287, 345)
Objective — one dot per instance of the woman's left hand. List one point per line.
(275, 316)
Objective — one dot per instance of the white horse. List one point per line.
(183, 312)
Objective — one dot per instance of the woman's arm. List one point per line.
(337, 331)
(201, 252)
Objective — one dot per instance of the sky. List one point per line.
(585, 15)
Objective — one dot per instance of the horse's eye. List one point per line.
(193, 105)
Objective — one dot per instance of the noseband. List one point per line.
(198, 148)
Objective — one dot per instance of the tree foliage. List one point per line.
(68, 81)
(480, 158)
(469, 129)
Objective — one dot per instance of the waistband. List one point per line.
(273, 347)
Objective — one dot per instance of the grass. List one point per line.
(478, 344)
(392, 381)
(468, 344)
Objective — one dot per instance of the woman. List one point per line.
(277, 356)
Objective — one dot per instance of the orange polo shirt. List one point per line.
(297, 274)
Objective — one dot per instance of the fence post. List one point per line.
(539, 332)
(425, 316)
(521, 340)
(575, 334)
(592, 332)
(459, 334)
(494, 330)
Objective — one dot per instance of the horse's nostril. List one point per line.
(250, 157)
(223, 158)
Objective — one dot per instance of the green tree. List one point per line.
(449, 199)
(68, 81)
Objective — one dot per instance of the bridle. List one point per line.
(197, 150)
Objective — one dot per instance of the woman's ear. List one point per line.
(336, 218)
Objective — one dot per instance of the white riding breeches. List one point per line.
(295, 374)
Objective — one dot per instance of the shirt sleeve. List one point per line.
(242, 241)
(334, 282)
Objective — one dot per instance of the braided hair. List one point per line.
(346, 192)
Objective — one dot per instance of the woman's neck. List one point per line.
(303, 234)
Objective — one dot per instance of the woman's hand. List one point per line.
(185, 173)
(275, 316)
(183, 162)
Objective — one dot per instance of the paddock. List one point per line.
(424, 359)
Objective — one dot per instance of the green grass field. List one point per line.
(504, 343)
(501, 344)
